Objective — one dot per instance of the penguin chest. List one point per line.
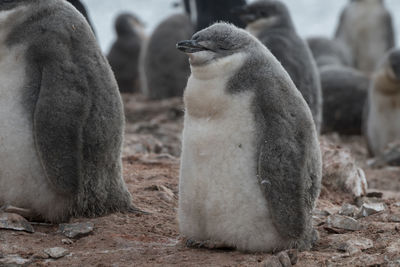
(22, 181)
(219, 197)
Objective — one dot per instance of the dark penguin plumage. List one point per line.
(329, 52)
(344, 91)
(125, 52)
(64, 115)
(271, 23)
(163, 69)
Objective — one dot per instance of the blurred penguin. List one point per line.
(344, 90)
(206, 12)
(329, 52)
(366, 27)
(271, 23)
(163, 69)
(125, 52)
(383, 109)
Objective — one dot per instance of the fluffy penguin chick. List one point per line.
(163, 70)
(383, 119)
(61, 115)
(124, 53)
(251, 165)
(366, 27)
(270, 22)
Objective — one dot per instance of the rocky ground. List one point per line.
(354, 231)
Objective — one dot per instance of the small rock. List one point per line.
(272, 261)
(397, 204)
(343, 222)
(40, 255)
(293, 255)
(14, 260)
(67, 241)
(284, 259)
(349, 210)
(318, 212)
(76, 230)
(12, 221)
(56, 252)
(394, 218)
(368, 209)
(340, 170)
(362, 200)
(354, 246)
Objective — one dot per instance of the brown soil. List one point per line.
(151, 167)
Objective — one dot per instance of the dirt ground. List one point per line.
(151, 168)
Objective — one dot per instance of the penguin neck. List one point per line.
(219, 68)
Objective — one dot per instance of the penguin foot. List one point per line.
(208, 244)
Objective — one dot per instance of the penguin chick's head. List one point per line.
(126, 23)
(215, 42)
(269, 12)
(394, 63)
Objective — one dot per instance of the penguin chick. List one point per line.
(270, 22)
(345, 91)
(163, 70)
(251, 165)
(366, 27)
(329, 52)
(61, 115)
(124, 53)
(383, 107)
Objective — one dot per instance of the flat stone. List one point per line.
(368, 209)
(56, 252)
(284, 259)
(349, 210)
(14, 260)
(12, 221)
(354, 246)
(394, 218)
(76, 230)
(272, 261)
(397, 204)
(343, 222)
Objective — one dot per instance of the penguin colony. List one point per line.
(256, 100)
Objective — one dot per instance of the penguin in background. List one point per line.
(125, 52)
(163, 69)
(366, 27)
(206, 12)
(271, 23)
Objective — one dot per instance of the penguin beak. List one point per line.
(190, 46)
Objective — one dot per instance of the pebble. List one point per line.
(394, 218)
(272, 261)
(12, 221)
(349, 210)
(56, 252)
(368, 209)
(355, 246)
(343, 222)
(67, 241)
(76, 230)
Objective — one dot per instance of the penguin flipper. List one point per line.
(289, 197)
(60, 113)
